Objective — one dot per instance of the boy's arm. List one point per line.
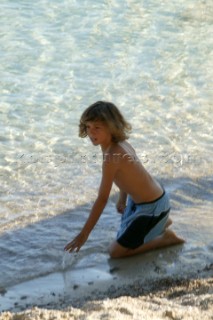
(122, 195)
(121, 203)
(109, 170)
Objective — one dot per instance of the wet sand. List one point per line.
(172, 283)
(118, 292)
(167, 298)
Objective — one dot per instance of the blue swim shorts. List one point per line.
(142, 222)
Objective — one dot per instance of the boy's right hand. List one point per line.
(77, 243)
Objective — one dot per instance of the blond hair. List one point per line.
(109, 114)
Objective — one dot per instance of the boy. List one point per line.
(145, 219)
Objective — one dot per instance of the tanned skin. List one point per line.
(122, 167)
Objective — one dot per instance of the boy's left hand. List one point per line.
(120, 206)
(76, 243)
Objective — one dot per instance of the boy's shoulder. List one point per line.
(119, 151)
(116, 149)
(125, 147)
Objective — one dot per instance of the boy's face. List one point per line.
(99, 133)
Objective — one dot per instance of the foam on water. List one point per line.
(154, 60)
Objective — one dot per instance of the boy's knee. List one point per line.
(111, 251)
(113, 254)
(116, 251)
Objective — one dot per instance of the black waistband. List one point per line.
(137, 204)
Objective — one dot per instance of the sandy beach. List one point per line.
(190, 298)
(173, 283)
(160, 297)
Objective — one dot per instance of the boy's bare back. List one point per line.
(131, 176)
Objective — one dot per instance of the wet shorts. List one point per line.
(141, 223)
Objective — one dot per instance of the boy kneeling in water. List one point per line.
(143, 203)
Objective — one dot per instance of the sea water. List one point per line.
(153, 59)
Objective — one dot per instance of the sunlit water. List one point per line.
(151, 58)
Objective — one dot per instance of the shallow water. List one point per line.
(154, 60)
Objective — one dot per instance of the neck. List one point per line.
(105, 148)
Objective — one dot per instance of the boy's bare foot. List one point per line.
(168, 223)
(169, 238)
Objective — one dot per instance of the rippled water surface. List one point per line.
(151, 58)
